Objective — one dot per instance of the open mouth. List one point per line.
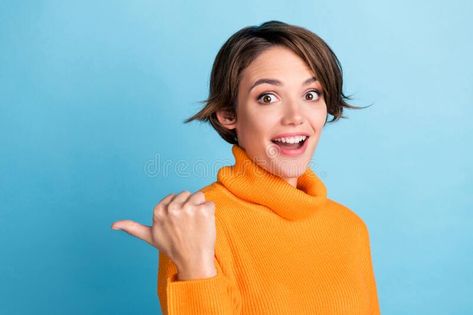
(291, 144)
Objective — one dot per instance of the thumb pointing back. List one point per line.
(135, 229)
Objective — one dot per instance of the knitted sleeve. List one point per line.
(209, 296)
(370, 277)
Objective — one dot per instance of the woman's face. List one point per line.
(278, 95)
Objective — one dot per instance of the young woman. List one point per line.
(264, 238)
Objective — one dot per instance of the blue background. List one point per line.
(93, 95)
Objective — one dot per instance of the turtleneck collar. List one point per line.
(252, 183)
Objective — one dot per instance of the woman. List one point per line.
(265, 238)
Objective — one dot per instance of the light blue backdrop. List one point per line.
(93, 95)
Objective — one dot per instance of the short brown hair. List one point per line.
(246, 45)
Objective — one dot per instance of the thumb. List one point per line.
(135, 229)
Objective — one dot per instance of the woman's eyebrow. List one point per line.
(279, 83)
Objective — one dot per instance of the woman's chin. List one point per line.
(288, 169)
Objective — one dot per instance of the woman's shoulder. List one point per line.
(221, 196)
(343, 213)
(210, 190)
(230, 210)
(215, 190)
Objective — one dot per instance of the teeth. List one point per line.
(291, 139)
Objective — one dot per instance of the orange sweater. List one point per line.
(279, 250)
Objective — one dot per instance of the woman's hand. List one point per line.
(184, 229)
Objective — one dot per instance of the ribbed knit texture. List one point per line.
(279, 250)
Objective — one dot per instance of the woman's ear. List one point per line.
(227, 118)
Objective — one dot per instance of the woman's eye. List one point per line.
(312, 95)
(265, 98)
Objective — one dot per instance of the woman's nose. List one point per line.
(292, 114)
